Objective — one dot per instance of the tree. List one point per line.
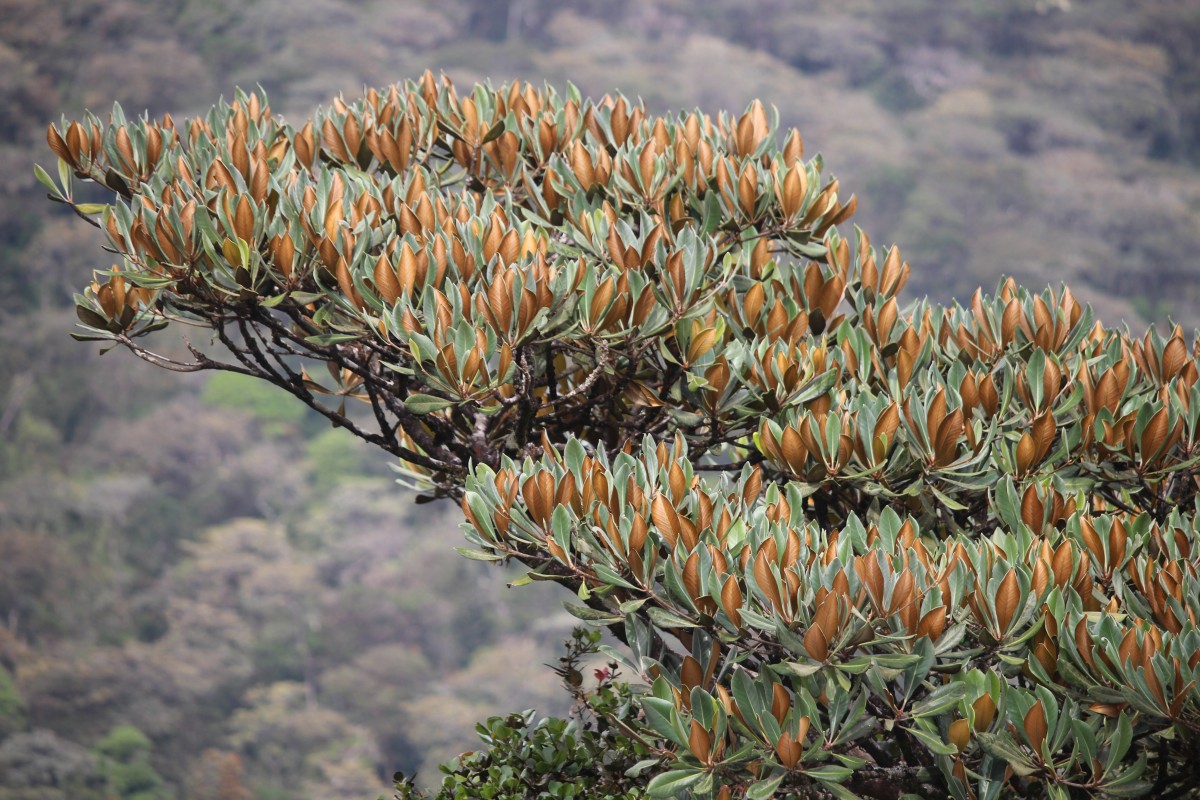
(853, 548)
(39, 765)
(126, 764)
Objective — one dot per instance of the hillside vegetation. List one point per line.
(243, 604)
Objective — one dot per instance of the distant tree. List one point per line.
(126, 765)
(12, 706)
(299, 747)
(39, 765)
(217, 775)
(853, 548)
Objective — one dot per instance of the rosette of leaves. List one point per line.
(855, 547)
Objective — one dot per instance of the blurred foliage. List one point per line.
(1044, 140)
(40, 765)
(12, 706)
(126, 765)
(230, 390)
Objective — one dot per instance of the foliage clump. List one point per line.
(855, 548)
(555, 759)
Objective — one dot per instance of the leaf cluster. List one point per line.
(855, 548)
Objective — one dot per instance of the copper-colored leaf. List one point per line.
(731, 601)
(933, 624)
(960, 734)
(781, 702)
(765, 578)
(1026, 451)
(665, 519)
(789, 750)
(1154, 436)
(385, 279)
(691, 575)
(1173, 358)
(539, 506)
(701, 344)
(699, 741)
(984, 709)
(1007, 597)
(1035, 725)
(690, 674)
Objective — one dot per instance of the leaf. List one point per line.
(796, 668)
(90, 318)
(45, 179)
(939, 700)
(323, 339)
(1001, 746)
(673, 782)
(493, 133)
(425, 403)
(1007, 597)
(665, 619)
(932, 742)
(591, 615)
(478, 555)
(817, 386)
(1035, 725)
(641, 766)
(829, 773)
(663, 718)
(765, 789)
(1119, 745)
(837, 790)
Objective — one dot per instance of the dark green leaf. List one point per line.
(425, 403)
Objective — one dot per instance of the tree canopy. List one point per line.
(854, 547)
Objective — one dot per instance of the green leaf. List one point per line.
(816, 387)
(1128, 784)
(673, 782)
(90, 318)
(630, 606)
(765, 789)
(939, 700)
(89, 209)
(494, 133)
(796, 668)
(663, 718)
(322, 339)
(932, 742)
(1001, 746)
(425, 403)
(641, 766)
(665, 619)
(45, 179)
(1119, 745)
(829, 773)
(478, 555)
(841, 791)
(591, 615)
(609, 576)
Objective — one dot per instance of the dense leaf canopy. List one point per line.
(853, 546)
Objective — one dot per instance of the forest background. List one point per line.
(207, 594)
